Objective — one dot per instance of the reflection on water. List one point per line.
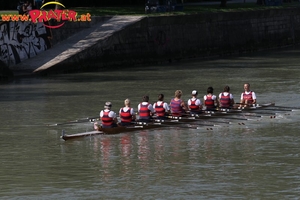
(245, 159)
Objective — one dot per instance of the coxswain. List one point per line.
(161, 108)
(194, 104)
(225, 98)
(145, 110)
(127, 114)
(177, 105)
(248, 97)
(210, 100)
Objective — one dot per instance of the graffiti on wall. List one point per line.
(22, 40)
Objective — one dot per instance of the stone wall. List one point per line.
(168, 38)
(212, 34)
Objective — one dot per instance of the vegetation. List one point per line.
(188, 9)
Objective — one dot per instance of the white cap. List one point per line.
(107, 105)
(194, 92)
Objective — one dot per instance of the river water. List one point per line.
(247, 159)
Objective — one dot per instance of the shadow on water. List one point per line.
(255, 60)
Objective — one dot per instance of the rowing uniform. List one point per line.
(225, 99)
(176, 108)
(145, 109)
(107, 117)
(248, 96)
(161, 109)
(209, 102)
(194, 105)
(126, 114)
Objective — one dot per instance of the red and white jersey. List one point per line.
(126, 114)
(225, 99)
(111, 114)
(194, 104)
(161, 108)
(209, 100)
(248, 93)
(165, 105)
(125, 109)
(213, 97)
(197, 102)
(150, 107)
(107, 117)
(226, 94)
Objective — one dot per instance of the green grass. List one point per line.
(188, 9)
(7, 12)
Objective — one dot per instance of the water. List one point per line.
(257, 159)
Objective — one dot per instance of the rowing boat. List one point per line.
(116, 130)
(171, 122)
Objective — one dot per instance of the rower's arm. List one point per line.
(242, 101)
(184, 106)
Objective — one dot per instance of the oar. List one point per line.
(234, 118)
(286, 107)
(241, 112)
(255, 105)
(193, 119)
(88, 119)
(244, 106)
(208, 116)
(170, 125)
(196, 126)
(226, 116)
(281, 109)
(207, 119)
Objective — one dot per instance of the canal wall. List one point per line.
(168, 38)
(155, 39)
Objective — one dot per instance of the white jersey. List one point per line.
(253, 95)
(150, 107)
(225, 94)
(213, 97)
(165, 105)
(125, 109)
(110, 114)
(197, 103)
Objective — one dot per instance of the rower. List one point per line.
(108, 117)
(225, 98)
(127, 114)
(178, 106)
(210, 100)
(161, 108)
(194, 104)
(248, 97)
(145, 110)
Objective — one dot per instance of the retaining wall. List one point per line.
(166, 38)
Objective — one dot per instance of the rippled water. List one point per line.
(247, 159)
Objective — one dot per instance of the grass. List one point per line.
(7, 12)
(188, 9)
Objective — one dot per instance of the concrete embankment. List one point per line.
(127, 40)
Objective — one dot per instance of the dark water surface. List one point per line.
(248, 159)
